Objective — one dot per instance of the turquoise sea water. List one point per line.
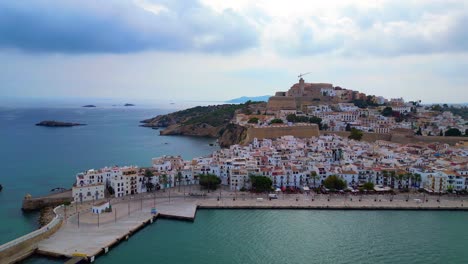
(37, 159)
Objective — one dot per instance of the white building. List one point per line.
(88, 192)
(100, 208)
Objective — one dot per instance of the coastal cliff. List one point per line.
(207, 121)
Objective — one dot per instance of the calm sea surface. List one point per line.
(37, 159)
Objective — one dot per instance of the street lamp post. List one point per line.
(169, 195)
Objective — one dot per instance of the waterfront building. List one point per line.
(89, 192)
(297, 162)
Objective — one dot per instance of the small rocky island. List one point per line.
(49, 123)
(129, 104)
(89, 105)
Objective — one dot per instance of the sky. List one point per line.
(219, 49)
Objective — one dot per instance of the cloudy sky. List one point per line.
(218, 49)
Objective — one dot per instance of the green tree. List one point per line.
(348, 127)
(276, 121)
(419, 133)
(316, 120)
(110, 190)
(253, 120)
(209, 181)
(387, 111)
(368, 186)
(392, 178)
(148, 173)
(315, 177)
(334, 182)
(149, 186)
(297, 119)
(453, 132)
(356, 134)
(179, 178)
(164, 180)
(261, 183)
(437, 108)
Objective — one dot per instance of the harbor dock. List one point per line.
(84, 235)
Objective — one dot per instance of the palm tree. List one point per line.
(164, 181)
(384, 174)
(315, 177)
(392, 178)
(418, 179)
(407, 178)
(179, 178)
(400, 179)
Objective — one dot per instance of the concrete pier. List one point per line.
(85, 235)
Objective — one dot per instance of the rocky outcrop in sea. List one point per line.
(50, 123)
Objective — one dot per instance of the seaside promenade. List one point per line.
(86, 234)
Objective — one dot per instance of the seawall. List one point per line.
(31, 204)
(26, 245)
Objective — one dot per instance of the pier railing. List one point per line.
(56, 221)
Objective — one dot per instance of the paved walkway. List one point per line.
(88, 234)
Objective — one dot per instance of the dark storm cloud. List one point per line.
(76, 26)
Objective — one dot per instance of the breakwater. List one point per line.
(31, 204)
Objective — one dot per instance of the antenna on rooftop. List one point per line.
(302, 74)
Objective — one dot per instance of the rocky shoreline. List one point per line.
(51, 123)
(46, 215)
(206, 121)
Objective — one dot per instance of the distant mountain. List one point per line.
(244, 99)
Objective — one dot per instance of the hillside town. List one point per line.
(293, 164)
(339, 109)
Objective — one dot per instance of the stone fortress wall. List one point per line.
(299, 131)
(401, 138)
